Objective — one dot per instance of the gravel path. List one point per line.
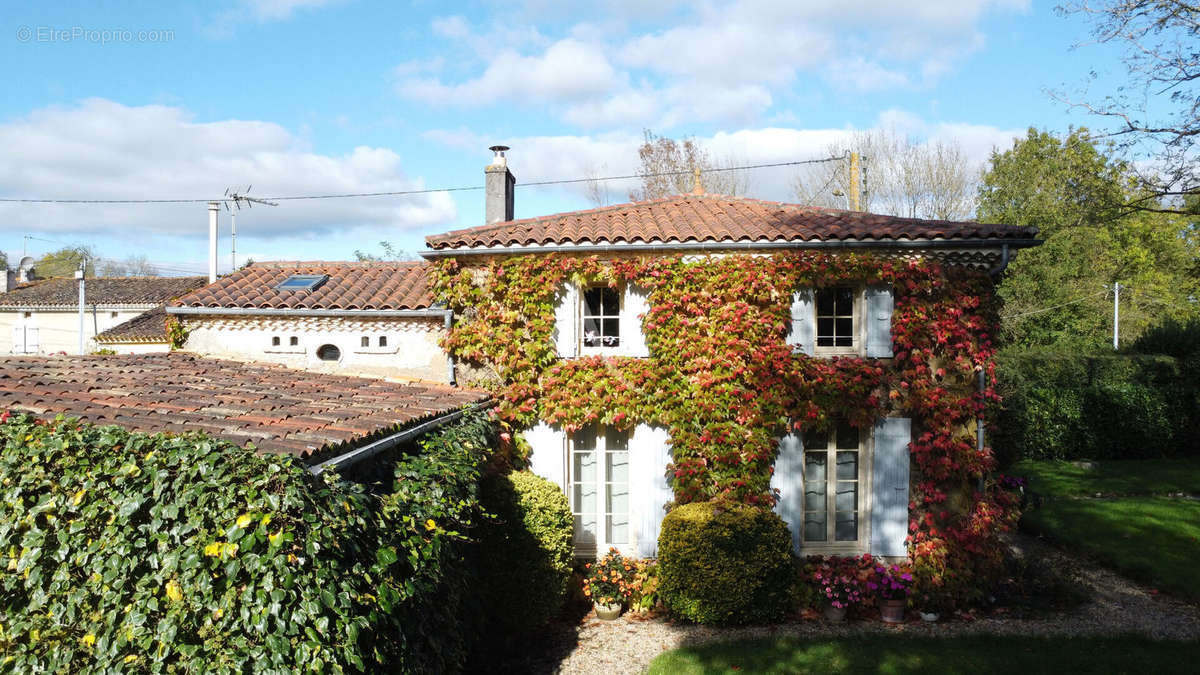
(628, 644)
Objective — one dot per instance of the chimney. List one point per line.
(498, 187)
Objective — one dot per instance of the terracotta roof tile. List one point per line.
(277, 409)
(351, 285)
(714, 218)
(101, 291)
(148, 327)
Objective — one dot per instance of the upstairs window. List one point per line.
(836, 313)
(366, 341)
(275, 341)
(601, 318)
(294, 341)
(382, 340)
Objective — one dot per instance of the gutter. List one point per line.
(732, 245)
(999, 269)
(371, 449)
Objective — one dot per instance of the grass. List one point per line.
(1134, 529)
(1112, 477)
(885, 654)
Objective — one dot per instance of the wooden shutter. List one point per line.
(18, 339)
(878, 319)
(31, 340)
(889, 492)
(789, 480)
(549, 453)
(566, 322)
(636, 304)
(803, 328)
(649, 454)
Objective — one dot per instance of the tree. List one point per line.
(902, 176)
(1156, 112)
(3, 260)
(669, 168)
(390, 252)
(64, 262)
(133, 266)
(1059, 293)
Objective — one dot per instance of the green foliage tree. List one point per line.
(1074, 193)
(64, 262)
(3, 260)
(390, 252)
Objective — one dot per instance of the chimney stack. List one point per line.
(499, 185)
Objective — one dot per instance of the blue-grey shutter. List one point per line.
(548, 456)
(566, 324)
(889, 493)
(649, 454)
(789, 480)
(633, 341)
(878, 320)
(803, 328)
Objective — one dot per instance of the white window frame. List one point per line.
(598, 484)
(831, 546)
(584, 349)
(857, 326)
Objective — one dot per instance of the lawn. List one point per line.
(885, 654)
(1135, 528)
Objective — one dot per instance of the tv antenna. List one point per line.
(237, 197)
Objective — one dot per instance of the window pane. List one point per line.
(816, 440)
(847, 436)
(846, 527)
(616, 440)
(814, 527)
(610, 301)
(844, 327)
(814, 499)
(616, 469)
(584, 498)
(847, 498)
(617, 530)
(585, 529)
(612, 331)
(845, 301)
(814, 469)
(584, 467)
(591, 302)
(825, 301)
(585, 438)
(825, 328)
(847, 465)
(591, 332)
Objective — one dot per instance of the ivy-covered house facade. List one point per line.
(823, 363)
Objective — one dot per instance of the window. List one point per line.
(28, 315)
(836, 311)
(601, 318)
(294, 341)
(302, 282)
(833, 487)
(275, 341)
(366, 341)
(114, 315)
(329, 353)
(382, 340)
(598, 479)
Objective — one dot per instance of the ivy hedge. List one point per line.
(152, 553)
(1061, 405)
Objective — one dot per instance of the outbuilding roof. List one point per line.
(346, 286)
(102, 291)
(717, 218)
(310, 415)
(150, 326)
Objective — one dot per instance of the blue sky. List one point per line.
(141, 100)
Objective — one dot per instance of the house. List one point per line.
(843, 481)
(42, 316)
(363, 318)
(328, 421)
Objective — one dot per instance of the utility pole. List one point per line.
(854, 192)
(79, 276)
(212, 241)
(233, 242)
(1116, 311)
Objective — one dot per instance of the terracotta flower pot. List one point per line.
(835, 614)
(607, 612)
(892, 610)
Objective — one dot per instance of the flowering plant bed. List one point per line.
(892, 582)
(839, 588)
(610, 579)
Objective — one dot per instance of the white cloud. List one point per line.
(105, 150)
(275, 10)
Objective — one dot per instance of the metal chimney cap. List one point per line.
(499, 149)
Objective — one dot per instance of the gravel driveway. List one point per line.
(628, 644)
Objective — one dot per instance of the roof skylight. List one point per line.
(302, 282)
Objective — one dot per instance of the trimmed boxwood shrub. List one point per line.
(131, 552)
(525, 552)
(725, 563)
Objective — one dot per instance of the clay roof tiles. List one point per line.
(148, 327)
(112, 291)
(715, 218)
(351, 285)
(310, 415)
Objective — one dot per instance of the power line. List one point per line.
(401, 193)
(1047, 309)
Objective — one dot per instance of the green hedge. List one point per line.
(525, 552)
(725, 563)
(1096, 406)
(130, 552)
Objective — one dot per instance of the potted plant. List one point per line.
(609, 584)
(838, 589)
(891, 585)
